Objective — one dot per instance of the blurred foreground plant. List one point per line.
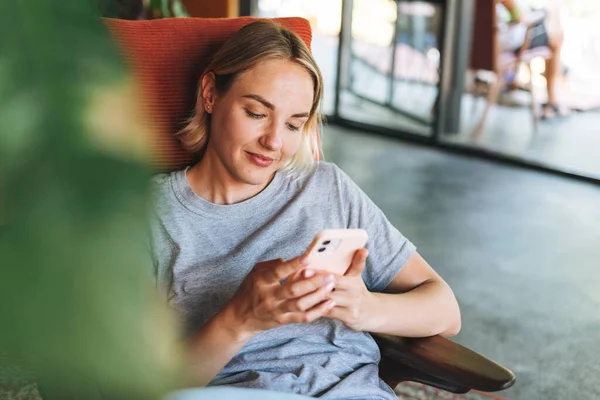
(76, 291)
(141, 9)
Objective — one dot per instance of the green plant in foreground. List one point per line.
(76, 291)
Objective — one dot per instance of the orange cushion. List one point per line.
(167, 57)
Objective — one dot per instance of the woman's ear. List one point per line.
(209, 91)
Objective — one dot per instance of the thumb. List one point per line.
(358, 263)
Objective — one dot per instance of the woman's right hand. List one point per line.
(263, 302)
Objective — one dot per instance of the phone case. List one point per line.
(333, 249)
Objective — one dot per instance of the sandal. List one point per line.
(550, 111)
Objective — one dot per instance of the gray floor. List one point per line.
(569, 144)
(521, 250)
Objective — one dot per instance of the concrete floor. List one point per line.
(521, 250)
(567, 144)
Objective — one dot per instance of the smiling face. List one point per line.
(257, 125)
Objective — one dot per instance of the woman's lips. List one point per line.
(259, 160)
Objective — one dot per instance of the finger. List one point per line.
(319, 310)
(342, 299)
(282, 269)
(269, 264)
(300, 275)
(347, 283)
(309, 300)
(358, 263)
(310, 315)
(337, 312)
(303, 286)
(291, 278)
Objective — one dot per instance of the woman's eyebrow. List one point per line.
(300, 115)
(260, 99)
(271, 106)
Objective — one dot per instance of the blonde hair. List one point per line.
(256, 42)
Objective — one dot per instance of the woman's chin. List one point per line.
(257, 177)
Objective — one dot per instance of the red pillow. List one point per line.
(167, 57)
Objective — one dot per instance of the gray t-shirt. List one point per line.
(202, 251)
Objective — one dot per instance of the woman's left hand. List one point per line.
(354, 304)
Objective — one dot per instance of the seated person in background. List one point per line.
(225, 226)
(548, 32)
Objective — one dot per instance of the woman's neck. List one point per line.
(212, 181)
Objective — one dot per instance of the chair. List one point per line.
(486, 55)
(167, 57)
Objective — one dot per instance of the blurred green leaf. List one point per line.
(76, 289)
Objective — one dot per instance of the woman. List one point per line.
(226, 226)
(549, 33)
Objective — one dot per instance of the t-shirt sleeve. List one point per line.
(388, 249)
(160, 245)
(161, 254)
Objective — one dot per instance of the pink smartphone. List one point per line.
(333, 249)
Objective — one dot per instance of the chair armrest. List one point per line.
(440, 362)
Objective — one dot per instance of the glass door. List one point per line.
(389, 64)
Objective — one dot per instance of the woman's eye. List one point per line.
(253, 115)
(293, 127)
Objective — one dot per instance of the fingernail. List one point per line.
(304, 261)
(366, 254)
(330, 287)
(329, 278)
(308, 273)
(330, 304)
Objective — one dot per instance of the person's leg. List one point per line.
(555, 38)
(553, 71)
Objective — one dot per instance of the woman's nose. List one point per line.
(272, 138)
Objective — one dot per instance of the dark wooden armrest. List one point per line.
(440, 362)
